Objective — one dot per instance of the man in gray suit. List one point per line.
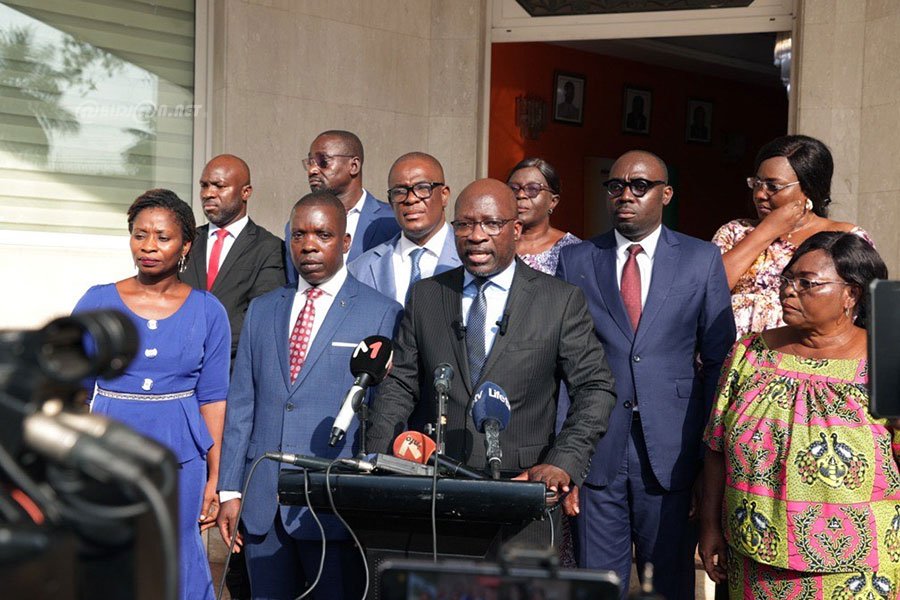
(425, 245)
(520, 329)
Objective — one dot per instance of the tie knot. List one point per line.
(479, 283)
(416, 255)
(635, 249)
(221, 233)
(313, 293)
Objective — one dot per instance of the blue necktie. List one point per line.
(415, 273)
(475, 332)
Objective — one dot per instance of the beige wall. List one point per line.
(848, 86)
(402, 74)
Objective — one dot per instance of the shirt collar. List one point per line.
(435, 245)
(648, 244)
(234, 229)
(357, 208)
(330, 287)
(502, 280)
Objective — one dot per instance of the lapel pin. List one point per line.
(343, 303)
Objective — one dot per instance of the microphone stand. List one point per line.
(363, 415)
(441, 421)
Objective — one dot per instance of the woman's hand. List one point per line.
(713, 552)
(784, 219)
(210, 508)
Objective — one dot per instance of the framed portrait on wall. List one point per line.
(636, 110)
(568, 98)
(699, 121)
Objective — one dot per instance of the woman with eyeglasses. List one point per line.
(536, 186)
(801, 483)
(791, 190)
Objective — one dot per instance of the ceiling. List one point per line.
(741, 57)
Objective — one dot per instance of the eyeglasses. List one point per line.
(491, 227)
(422, 190)
(638, 187)
(771, 188)
(802, 284)
(322, 160)
(531, 189)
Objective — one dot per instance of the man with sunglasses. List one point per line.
(335, 164)
(662, 309)
(495, 319)
(425, 245)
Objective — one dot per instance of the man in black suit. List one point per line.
(521, 330)
(234, 258)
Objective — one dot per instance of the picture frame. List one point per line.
(698, 121)
(637, 109)
(568, 98)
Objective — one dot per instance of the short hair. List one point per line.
(349, 140)
(423, 156)
(811, 160)
(169, 200)
(855, 261)
(544, 167)
(323, 198)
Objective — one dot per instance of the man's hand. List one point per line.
(570, 503)
(554, 478)
(228, 525)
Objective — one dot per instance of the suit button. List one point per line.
(289, 407)
(627, 404)
(636, 358)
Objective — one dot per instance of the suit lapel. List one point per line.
(605, 265)
(519, 293)
(383, 271)
(452, 302)
(665, 262)
(340, 308)
(449, 258)
(196, 267)
(366, 216)
(243, 242)
(282, 331)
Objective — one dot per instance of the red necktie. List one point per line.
(213, 268)
(302, 331)
(631, 285)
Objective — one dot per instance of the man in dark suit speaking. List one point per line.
(496, 319)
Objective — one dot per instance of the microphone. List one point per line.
(314, 463)
(418, 447)
(370, 364)
(459, 329)
(503, 324)
(443, 375)
(491, 412)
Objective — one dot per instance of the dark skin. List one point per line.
(537, 233)
(155, 292)
(225, 189)
(485, 255)
(318, 244)
(818, 326)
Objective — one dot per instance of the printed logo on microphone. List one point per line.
(494, 393)
(372, 348)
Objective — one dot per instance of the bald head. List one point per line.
(486, 227)
(225, 189)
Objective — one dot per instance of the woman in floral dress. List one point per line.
(801, 484)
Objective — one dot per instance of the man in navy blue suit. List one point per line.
(335, 164)
(661, 307)
(290, 376)
(425, 245)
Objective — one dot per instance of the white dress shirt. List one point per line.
(428, 262)
(234, 230)
(644, 259)
(353, 217)
(322, 304)
(496, 292)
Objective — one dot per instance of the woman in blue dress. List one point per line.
(174, 391)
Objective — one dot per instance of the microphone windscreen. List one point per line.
(414, 446)
(372, 357)
(490, 402)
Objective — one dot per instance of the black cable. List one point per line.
(334, 509)
(236, 524)
(45, 500)
(321, 530)
(167, 535)
(70, 489)
(11, 512)
(434, 536)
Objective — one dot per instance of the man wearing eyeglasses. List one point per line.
(495, 319)
(335, 164)
(662, 309)
(425, 245)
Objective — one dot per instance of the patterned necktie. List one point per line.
(302, 331)
(631, 285)
(415, 272)
(213, 270)
(475, 332)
